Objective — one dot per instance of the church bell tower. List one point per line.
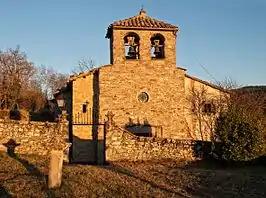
(142, 40)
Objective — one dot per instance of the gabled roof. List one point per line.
(140, 21)
(208, 84)
(84, 74)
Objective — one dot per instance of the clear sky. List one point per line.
(228, 37)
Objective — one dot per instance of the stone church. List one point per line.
(142, 86)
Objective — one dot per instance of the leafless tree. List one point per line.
(203, 109)
(84, 65)
(249, 105)
(22, 83)
(16, 74)
(50, 80)
(228, 84)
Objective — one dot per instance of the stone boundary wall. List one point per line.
(123, 145)
(34, 137)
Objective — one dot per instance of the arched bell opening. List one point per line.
(157, 46)
(131, 43)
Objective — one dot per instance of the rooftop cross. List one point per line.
(142, 11)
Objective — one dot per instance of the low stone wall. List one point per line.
(34, 137)
(123, 145)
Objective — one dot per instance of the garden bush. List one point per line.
(240, 137)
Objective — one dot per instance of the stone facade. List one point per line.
(118, 49)
(116, 87)
(120, 86)
(37, 138)
(199, 125)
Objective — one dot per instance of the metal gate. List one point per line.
(88, 141)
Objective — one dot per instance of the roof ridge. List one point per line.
(86, 73)
(207, 83)
(144, 17)
(141, 21)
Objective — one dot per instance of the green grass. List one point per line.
(25, 176)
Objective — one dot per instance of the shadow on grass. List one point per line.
(121, 170)
(203, 178)
(32, 170)
(217, 178)
(4, 193)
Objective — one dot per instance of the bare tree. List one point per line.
(24, 84)
(228, 84)
(50, 80)
(204, 109)
(16, 73)
(84, 65)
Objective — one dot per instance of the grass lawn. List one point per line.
(25, 176)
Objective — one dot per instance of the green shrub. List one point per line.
(241, 139)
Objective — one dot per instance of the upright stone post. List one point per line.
(55, 170)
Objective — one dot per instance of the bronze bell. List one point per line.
(131, 51)
(157, 47)
(157, 50)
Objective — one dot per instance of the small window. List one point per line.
(143, 97)
(84, 108)
(209, 108)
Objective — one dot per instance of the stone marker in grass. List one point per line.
(55, 170)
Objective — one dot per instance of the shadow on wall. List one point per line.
(95, 107)
(138, 129)
(91, 150)
(46, 114)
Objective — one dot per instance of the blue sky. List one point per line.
(227, 37)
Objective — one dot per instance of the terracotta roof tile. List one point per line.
(140, 21)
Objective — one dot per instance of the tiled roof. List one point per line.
(140, 21)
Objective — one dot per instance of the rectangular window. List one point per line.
(84, 108)
(208, 108)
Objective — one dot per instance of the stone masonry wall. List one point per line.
(34, 137)
(121, 83)
(118, 48)
(120, 86)
(123, 145)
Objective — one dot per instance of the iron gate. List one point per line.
(88, 140)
